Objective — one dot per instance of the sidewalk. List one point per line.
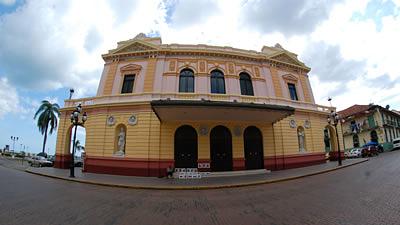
(191, 184)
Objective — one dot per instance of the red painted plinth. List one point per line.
(333, 156)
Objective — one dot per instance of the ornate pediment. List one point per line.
(290, 77)
(135, 47)
(284, 57)
(131, 68)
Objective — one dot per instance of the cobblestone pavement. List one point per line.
(368, 193)
(203, 183)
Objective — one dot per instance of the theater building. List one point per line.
(198, 106)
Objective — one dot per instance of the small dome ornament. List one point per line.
(140, 36)
(132, 120)
(277, 45)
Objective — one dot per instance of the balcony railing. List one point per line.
(142, 97)
(365, 127)
(391, 123)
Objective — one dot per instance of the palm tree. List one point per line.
(48, 115)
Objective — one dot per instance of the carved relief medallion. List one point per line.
(132, 120)
(307, 124)
(257, 71)
(292, 124)
(111, 120)
(203, 130)
(231, 69)
(202, 66)
(237, 131)
(171, 65)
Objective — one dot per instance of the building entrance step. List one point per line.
(237, 173)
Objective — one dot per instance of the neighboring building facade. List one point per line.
(365, 123)
(198, 106)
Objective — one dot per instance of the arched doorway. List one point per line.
(80, 142)
(185, 147)
(330, 139)
(374, 136)
(221, 149)
(253, 148)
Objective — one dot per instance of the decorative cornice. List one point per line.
(282, 58)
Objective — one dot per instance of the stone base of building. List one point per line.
(333, 156)
(62, 161)
(127, 166)
(282, 162)
(157, 168)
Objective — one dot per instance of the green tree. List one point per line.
(47, 115)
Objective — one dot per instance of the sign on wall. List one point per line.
(203, 165)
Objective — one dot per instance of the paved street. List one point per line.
(368, 193)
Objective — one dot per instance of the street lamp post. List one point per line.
(75, 116)
(334, 119)
(14, 139)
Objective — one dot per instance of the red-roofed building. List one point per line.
(364, 123)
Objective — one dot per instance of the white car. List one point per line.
(40, 161)
(355, 153)
(396, 143)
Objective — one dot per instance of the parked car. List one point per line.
(354, 153)
(376, 144)
(29, 159)
(51, 158)
(40, 161)
(43, 154)
(369, 150)
(396, 143)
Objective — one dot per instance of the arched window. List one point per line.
(217, 82)
(246, 87)
(186, 81)
(301, 135)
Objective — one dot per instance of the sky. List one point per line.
(50, 46)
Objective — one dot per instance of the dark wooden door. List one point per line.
(221, 149)
(185, 147)
(253, 148)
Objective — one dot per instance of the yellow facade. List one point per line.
(150, 140)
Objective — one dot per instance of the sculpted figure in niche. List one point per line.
(301, 140)
(121, 143)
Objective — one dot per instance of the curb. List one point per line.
(197, 187)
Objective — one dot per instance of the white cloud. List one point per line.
(191, 12)
(63, 47)
(9, 100)
(51, 44)
(288, 17)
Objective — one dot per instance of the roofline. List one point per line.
(208, 103)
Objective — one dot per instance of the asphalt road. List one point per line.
(368, 193)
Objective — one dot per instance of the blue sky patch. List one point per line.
(169, 8)
(376, 10)
(6, 9)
